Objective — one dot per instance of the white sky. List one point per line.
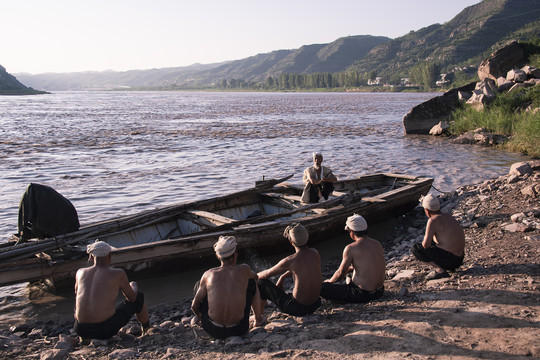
(40, 36)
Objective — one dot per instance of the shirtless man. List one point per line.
(365, 258)
(444, 241)
(226, 294)
(318, 181)
(304, 266)
(96, 290)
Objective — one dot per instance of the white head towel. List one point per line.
(430, 202)
(225, 246)
(99, 249)
(356, 223)
(297, 234)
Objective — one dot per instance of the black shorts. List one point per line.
(285, 302)
(220, 332)
(443, 258)
(108, 328)
(349, 293)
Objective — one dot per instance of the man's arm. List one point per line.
(199, 296)
(344, 267)
(278, 269)
(329, 177)
(282, 278)
(428, 236)
(125, 287)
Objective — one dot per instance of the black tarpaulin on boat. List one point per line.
(43, 212)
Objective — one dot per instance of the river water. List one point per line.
(117, 153)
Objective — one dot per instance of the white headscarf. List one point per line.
(99, 249)
(430, 202)
(356, 223)
(297, 234)
(225, 246)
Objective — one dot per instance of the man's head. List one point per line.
(225, 247)
(317, 159)
(297, 234)
(357, 224)
(99, 250)
(431, 203)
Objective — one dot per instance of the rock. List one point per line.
(520, 168)
(518, 86)
(235, 340)
(510, 56)
(134, 330)
(517, 227)
(54, 354)
(512, 179)
(463, 96)
(531, 190)
(122, 354)
(421, 118)
(405, 274)
(532, 238)
(467, 138)
(259, 337)
(172, 352)
(439, 128)
(531, 71)
(167, 324)
(517, 76)
(503, 84)
(517, 217)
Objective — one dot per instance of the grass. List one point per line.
(510, 114)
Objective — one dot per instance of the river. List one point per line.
(117, 153)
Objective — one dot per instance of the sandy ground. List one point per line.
(488, 309)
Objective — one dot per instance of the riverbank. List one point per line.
(487, 309)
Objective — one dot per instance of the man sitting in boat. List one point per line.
(444, 240)
(304, 266)
(365, 258)
(225, 294)
(318, 181)
(96, 290)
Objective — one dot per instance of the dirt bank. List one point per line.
(488, 309)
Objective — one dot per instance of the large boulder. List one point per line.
(483, 94)
(421, 118)
(510, 56)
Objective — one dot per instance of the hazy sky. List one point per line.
(40, 36)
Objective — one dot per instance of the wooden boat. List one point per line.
(177, 237)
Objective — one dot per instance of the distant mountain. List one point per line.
(467, 39)
(9, 85)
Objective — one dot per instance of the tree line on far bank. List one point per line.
(423, 76)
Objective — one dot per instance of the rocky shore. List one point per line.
(488, 309)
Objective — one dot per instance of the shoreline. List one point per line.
(487, 309)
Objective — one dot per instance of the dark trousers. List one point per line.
(443, 258)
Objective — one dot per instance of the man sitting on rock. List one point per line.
(444, 241)
(304, 266)
(96, 290)
(365, 258)
(225, 294)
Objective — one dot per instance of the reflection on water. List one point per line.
(116, 153)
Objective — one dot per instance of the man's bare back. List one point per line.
(305, 268)
(366, 256)
(446, 232)
(96, 290)
(225, 287)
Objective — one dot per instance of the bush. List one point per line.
(510, 114)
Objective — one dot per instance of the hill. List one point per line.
(9, 85)
(466, 39)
